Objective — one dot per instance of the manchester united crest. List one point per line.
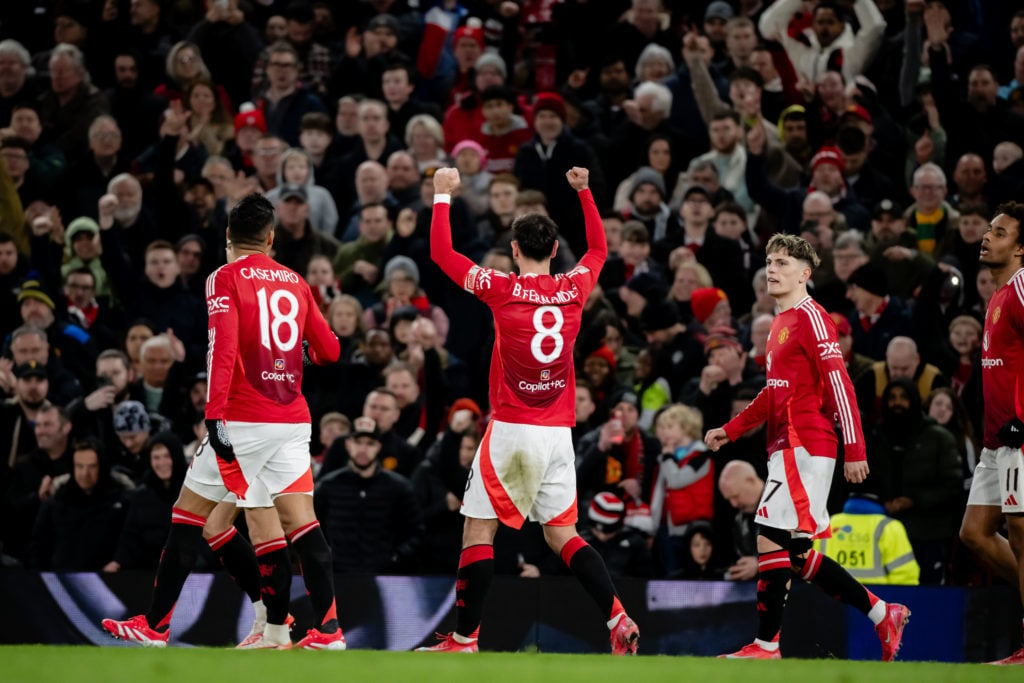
(995, 314)
(783, 335)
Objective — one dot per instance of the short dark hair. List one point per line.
(984, 67)
(832, 5)
(15, 142)
(374, 205)
(383, 391)
(6, 238)
(1014, 210)
(88, 443)
(723, 114)
(746, 73)
(399, 65)
(316, 120)
(250, 220)
(115, 354)
(635, 232)
(536, 235)
(81, 270)
(159, 245)
(506, 178)
(531, 197)
(729, 207)
(974, 208)
(851, 140)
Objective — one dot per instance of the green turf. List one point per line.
(39, 663)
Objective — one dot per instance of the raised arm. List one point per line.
(597, 244)
(454, 264)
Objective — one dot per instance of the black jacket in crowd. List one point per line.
(373, 524)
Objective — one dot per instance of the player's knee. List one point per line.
(971, 535)
(798, 550)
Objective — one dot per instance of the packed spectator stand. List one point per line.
(885, 132)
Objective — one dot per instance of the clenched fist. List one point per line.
(446, 180)
(578, 177)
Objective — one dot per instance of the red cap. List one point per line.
(605, 353)
(829, 154)
(858, 111)
(472, 32)
(703, 302)
(550, 101)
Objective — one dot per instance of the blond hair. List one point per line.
(688, 419)
(795, 246)
(968, 320)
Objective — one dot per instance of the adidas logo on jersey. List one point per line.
(763, 511)
(1010, 501)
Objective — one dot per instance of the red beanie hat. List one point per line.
(465, 404)
(470, 30)
(829, 154)
(605, 353)
(249, 115)
(703, 302)
(552, 102)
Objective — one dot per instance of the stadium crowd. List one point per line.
(885, 132)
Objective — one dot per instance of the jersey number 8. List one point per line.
(272, 328)
(545, 332)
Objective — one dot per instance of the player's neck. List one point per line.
(531, 267)
(791, 298)
(1002, 274)
(234, 253)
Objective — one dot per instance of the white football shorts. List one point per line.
(274, 460)
(795, 496)
(523, 471)
(999, 479)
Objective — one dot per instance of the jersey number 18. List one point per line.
(271, 326)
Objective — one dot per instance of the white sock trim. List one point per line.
(877, 613)
(767, 645)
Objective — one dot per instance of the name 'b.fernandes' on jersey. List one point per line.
(536, 319)
(1002, 358)
(808, 388)
(259, 312)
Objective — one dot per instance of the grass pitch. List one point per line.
(40, 663)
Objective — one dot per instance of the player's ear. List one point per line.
(554, 249)
(515, 251)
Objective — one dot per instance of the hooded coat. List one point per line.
(148, 519)
(78, 531)
(323, 212)
(915, 457)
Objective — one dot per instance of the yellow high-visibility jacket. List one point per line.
(873, 548)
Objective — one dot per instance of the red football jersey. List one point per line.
(1002, 358)
(259, 313)
(536, 319)
(808, 388)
